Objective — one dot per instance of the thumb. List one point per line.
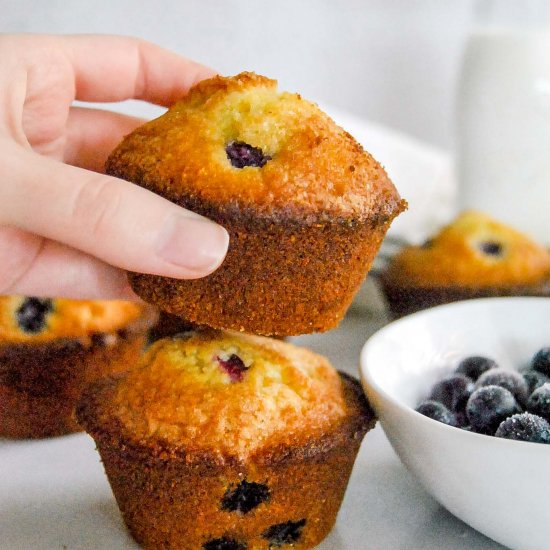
(111, 219)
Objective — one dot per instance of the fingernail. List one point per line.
(193, 243)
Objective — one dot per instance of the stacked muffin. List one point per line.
(51, 348)
(224, 440)
(219, 439)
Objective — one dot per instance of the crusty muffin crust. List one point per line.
(405, 300)
(41, 382)
(51, 348)
(240, 393)
(277, 279)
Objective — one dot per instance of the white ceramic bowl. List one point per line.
(500, 487)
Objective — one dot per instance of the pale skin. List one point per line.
(66, 229)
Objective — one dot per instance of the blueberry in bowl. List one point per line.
(541, 361)
(525, 427)
(475, 365)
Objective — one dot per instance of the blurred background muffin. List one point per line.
(51, 348)
(224, 440)
(473, 257)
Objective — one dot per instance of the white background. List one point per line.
(391, 61)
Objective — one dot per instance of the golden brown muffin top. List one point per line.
(295, 160)
(29, 319)
(473, 251)
(228, 393)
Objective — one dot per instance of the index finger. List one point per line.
(115, 68)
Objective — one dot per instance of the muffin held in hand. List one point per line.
(305, 206)
(224, 440)
(51, 348)
(473, 257)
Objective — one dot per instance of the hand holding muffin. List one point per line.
(215, 439)
(224, 440)
(55, 209)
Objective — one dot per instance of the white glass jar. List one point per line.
(503, 124)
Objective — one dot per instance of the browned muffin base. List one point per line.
(172, 501)
(279, 277)
(41, 383)
(403, 301)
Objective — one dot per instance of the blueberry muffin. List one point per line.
(305, 206)
(51, 348)
(224, 440)
(473, 257)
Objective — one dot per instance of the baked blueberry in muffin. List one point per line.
(224, 440)
(305, 206)
(50, 348)
(473, 257)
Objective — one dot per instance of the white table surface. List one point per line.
(54, 495)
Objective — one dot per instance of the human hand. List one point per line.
(66, 230)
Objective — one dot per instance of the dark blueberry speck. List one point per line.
(241, 154)
(437, 411)
(473, 367)
(488, 407)
(541, 361)
(511, 380)
(233, 366)
(539, 402)
(245, 497)
(453, 391)
(525, 427)
(284, 533)
(224, 544)
(491, 248)
(31, 315)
